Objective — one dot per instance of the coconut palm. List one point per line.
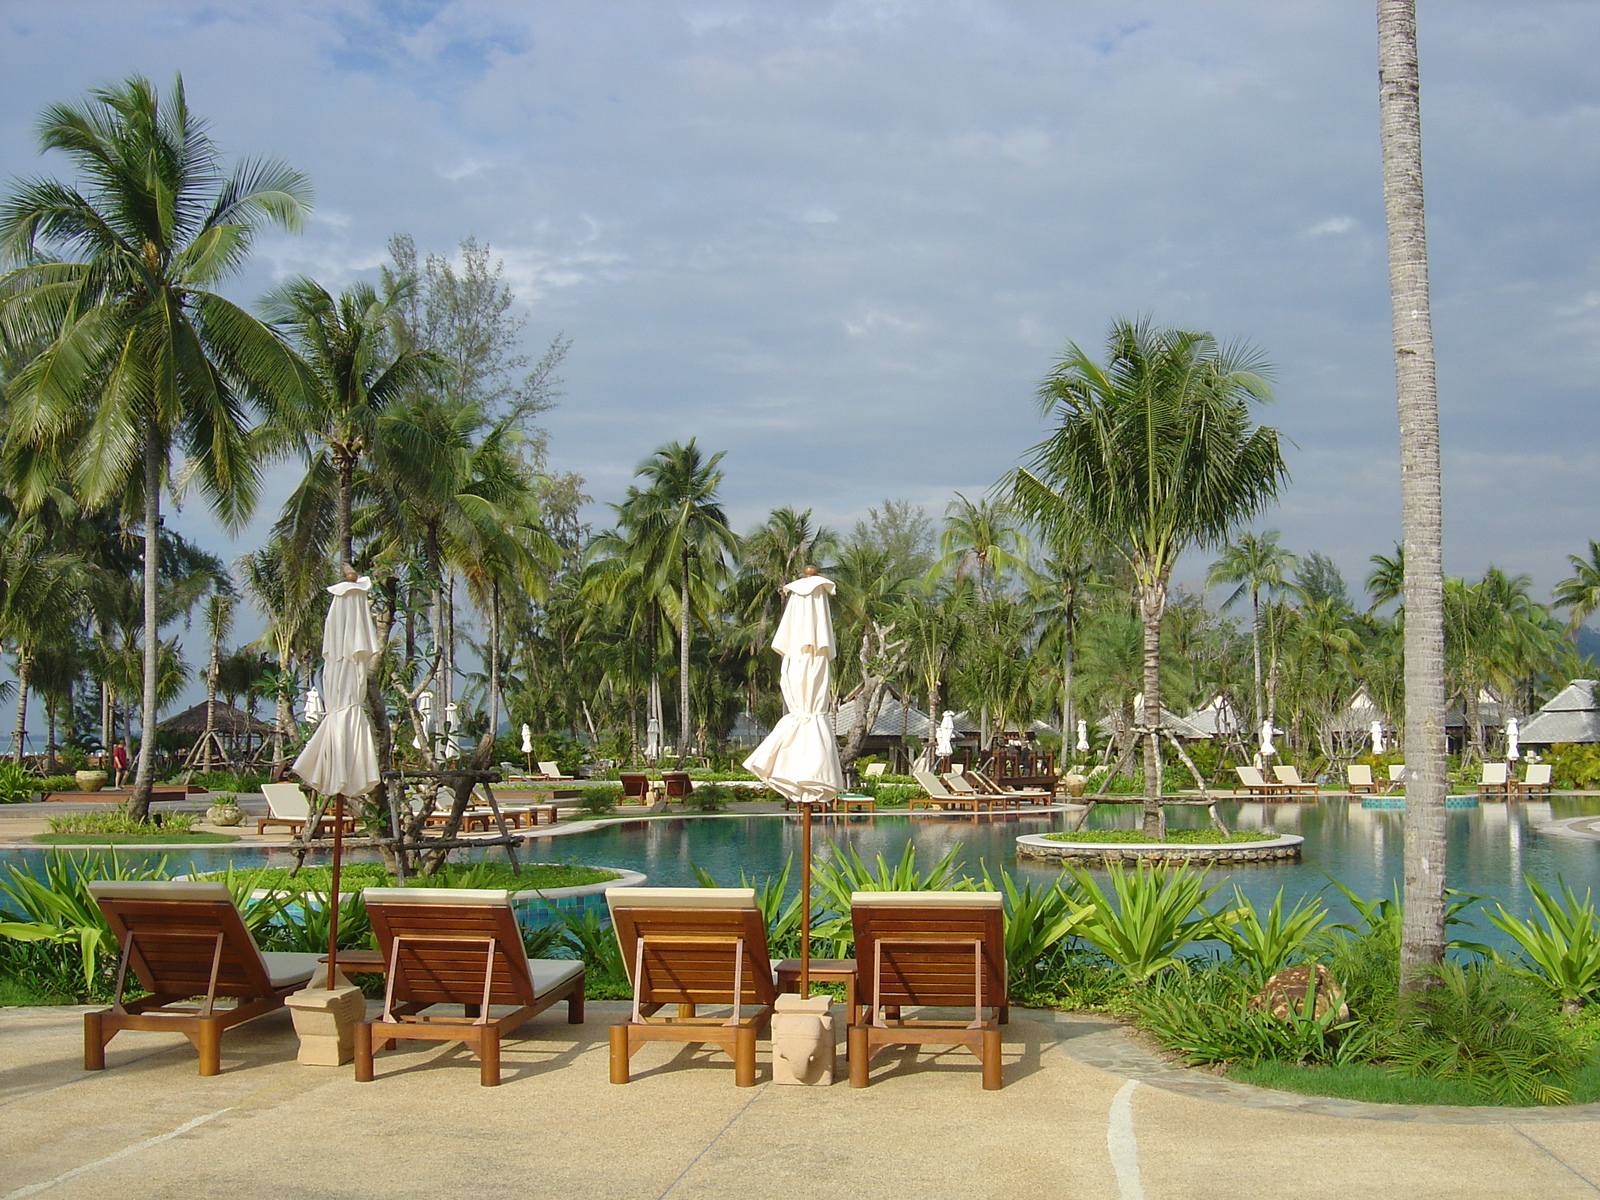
(140, 357)
(1154, 451)
(1579, 593)
(35, 607)
(1422, 936)
(979, 536)
(1255, 563)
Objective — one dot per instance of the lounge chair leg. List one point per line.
(210, 1046)
(744, 1056)
(990, 1054)
(619, 1054)
(575, 1006)
(489, 1058)
(363, 1049)
(856, 1050)
(1005, 1014)
(94, 1041)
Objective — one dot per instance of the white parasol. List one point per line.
(945, 736)
(1083, 737)
(527, 740)
(340, 759)
(313, 709)
(652, 739)
(799, 759)
(1377, 737)
(1513, 736)
(1267, 748)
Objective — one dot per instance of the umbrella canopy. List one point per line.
(944, 739)
(341, 759)
(1377, 737)
(1513, 735)
(314, 710)
(1267, 748)
(799, 759)
(527, 740)
(652, 739)
(1083, 737)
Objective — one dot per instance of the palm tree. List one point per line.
(141, 357)
(1254, 562)
(1153, 452)
(355, 374)
(979, 536)
(682, 535)
(1422, 935)
(1387, 580)
(35, 607)
(1580, 592)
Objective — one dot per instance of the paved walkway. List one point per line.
(1062, 1128)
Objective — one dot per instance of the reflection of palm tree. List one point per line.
(143, 357)
(1400, 127)
(1256, 563)
(1153, 452)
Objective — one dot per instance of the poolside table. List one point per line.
(827, 970)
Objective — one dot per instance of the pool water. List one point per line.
(1491, 847)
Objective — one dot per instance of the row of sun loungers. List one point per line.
(1496, 781)
(684, 948)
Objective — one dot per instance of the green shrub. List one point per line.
(711, 797)
(1562, 943)
(1265, 946)
(117, 822)
(59, 783)
(598, 800)
(1575, 765)
(1157, 913)
(16, 784)
(889, 795)
(230, 781)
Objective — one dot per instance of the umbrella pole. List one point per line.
(805, 900)
(333, 888)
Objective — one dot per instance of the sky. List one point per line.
(844, 242)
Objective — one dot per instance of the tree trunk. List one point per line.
(346, 465)
(1152, 604)
(683, 664)
(1255, 650)
(24, 665)
(144, 773)
(1422, 935)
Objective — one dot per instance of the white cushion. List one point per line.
(287, 800)
(286, 967)
(638, 897)
(548, 973)
(926, 899)
(420, 895)
(1539, 773)
(159, 889)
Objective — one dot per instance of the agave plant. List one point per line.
(847, 873)
(782, 918)
(1158, 911)
(1267, 945)
(1562, 942)
(1379, 918)
(1037, 921)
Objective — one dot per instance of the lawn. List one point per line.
(1379, 1085)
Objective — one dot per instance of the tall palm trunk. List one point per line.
(345, 463)
(1152, 604)
(683, 663)
(144, 773)
(1422, 934)
(1255, 650)
(24, 665)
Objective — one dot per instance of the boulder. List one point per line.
(1285, 992)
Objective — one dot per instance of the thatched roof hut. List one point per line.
(226, 720)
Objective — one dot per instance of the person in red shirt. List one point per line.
(119, 762)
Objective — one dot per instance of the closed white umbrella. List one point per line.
(424, 711)
(1083, 737)
(799, 759)
(1513, 736)
(1267, 748)
(1377, 737)
(652, 739)
(945, 737)
(527, 740)
(313, 709)
(341, 759)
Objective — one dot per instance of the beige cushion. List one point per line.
(287, 800)
(1538, 774)
(1358, 773)
(1250, 776)
(422, 895)
(159, 889)
(926, 899)
(638, 897)
(548, 973)
(1494, 773)
(960, 783)
(286, 967)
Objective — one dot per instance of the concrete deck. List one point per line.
(1060, 1128)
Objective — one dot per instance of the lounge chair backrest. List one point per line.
(450, 945)
(684, 945)
(1251, 777)
(1290, 775)
(634, 784)
(929, 948)
(675, 784)
(1397, 772)
(930, 783)
(982, 782)
(1358, 774)
(176, 930)
(873, 770)
(286, 801)
(960, 784)
(550, 768)
(1538, 775)
(1494, 774)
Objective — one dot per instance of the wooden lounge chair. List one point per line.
(1358, 779)
(550, 770)
(945, 798)
(185, 939)
(635, 787)
(288, 806)
(1494, 781)
(1536, 782)
(676, 785)
(929, 949)
(1397, 775)
(986, 783)
(458, 946)
(1289, 780)
(874, 770)
(1256, 784)
(692, 946)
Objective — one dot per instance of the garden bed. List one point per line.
(1124, 845)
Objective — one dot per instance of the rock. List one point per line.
(1285, 992)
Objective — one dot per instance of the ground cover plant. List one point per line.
(1173, 837)
(115, 826)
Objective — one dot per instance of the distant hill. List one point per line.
(1588, 642)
